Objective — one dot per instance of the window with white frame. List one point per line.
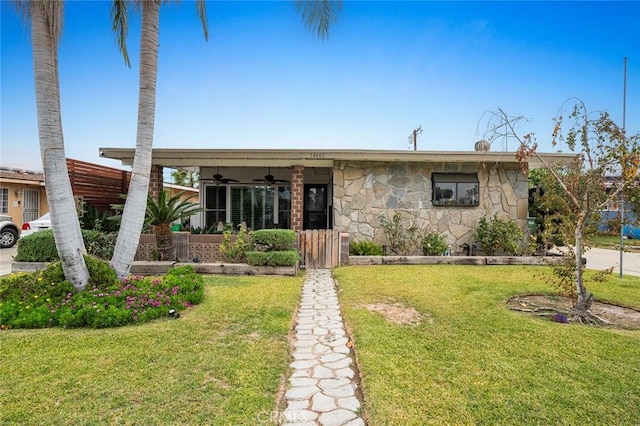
(455, 189)
(4, 200)
(215, 207)
(256, 206)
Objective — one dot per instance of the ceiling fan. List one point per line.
(269, 179)
(218, 179)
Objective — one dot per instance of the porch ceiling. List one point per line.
(169, 157)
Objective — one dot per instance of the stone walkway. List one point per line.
(322, 389)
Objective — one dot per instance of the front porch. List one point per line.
(295, 197)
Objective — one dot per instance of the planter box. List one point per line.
(242, 269)
(27, 266)
(160, 268)
(455, 260)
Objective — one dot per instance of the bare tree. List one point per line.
(605, 167)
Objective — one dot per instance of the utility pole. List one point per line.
(624, 117)
(414, 137)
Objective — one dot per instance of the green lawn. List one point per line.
(476, 362)
(612, 242)
(221, 363)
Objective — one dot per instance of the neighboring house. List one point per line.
(348, 190)
(22, 194)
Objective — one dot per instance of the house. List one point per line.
(22, 194)
(348, 190)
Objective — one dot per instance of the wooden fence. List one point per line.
(323, 248)
(98, 186)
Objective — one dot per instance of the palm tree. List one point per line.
(46, 26)
(133, 214)
(184, 177)
(162, 213)
(317, 15)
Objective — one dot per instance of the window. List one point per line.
(4, 200)
(455, 189)
(284, 207)
(215, 205)
(252, 205)
(259, 207)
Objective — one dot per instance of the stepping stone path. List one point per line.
(322, 387)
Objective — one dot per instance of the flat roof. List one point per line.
(180, 157)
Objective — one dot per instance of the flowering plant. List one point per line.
(434, 244)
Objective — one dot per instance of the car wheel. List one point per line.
(8, 238)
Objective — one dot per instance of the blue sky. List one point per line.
(263, 80)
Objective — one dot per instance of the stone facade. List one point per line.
(363, 191)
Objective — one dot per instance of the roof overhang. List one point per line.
(180, 158)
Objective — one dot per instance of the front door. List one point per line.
(30, 205)
(315, 207)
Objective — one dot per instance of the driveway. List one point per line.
(6, 257)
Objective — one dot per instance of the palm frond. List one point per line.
(201, 9)
(53, 10)
(318, 15)
(168, 209)
(120, 25)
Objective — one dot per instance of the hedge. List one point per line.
(41, 246)
(273, 258)
(275, 239)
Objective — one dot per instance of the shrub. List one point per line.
(273, 258)
(499, 235)
(364, 248)
(26, 287)
(402, 241)
(41, 246)
(434, 244)
(99, 220)
(37, 247)
(99, 244)
(275, 239)
(213, 229)
(236, 249)
(45, 299)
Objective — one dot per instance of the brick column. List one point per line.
(155, 181)
(297, 199)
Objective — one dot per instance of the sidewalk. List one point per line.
(322, 387)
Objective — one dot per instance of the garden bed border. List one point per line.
(454, 260)
(159, 268)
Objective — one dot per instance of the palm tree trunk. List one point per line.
(135, 205)
(64, 217)
(164, 242)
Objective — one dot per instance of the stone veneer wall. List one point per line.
(365, 190)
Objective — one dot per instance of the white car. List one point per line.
(40, 224)
(8, 231)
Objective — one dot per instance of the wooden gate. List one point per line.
(320, 248)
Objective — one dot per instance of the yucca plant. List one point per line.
(161, 213)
